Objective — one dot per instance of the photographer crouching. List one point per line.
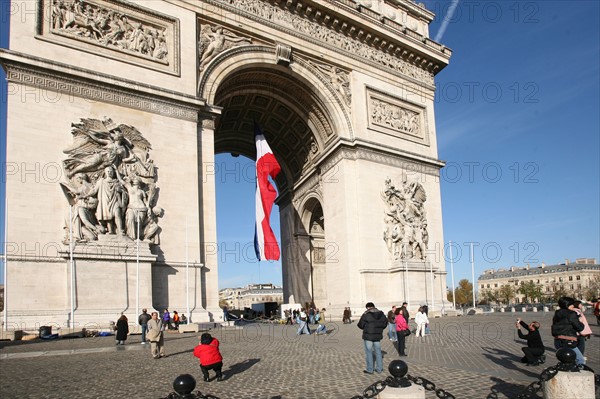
(534, 351)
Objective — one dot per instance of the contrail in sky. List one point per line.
(446, 20)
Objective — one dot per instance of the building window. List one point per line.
(570, 278)
(578, 278)
(560, 279)
(496, 285)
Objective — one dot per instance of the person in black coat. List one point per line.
(122, 330)
(373, 322)
(565, 326)
(534, 351)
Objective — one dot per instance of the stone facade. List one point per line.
(576, 279)
(343, 90)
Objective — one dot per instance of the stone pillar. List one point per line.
(578, 385)
(209, 278)
(414, 391)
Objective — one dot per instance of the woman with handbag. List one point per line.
(402, 331)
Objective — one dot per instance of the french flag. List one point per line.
(265, 243)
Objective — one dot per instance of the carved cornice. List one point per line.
(400, 159)
(44, 74)
(324, 27)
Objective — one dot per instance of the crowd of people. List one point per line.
(304, 318)
(570, 329)
(373, 321)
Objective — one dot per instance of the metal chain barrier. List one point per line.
(430, 386)
(400, 379)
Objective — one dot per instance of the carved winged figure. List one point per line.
(213, 42)
(99, 144)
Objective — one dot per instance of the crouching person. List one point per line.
(209, 355)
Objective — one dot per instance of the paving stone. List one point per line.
(469, 357)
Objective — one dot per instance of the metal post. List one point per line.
(72, 264)
(137, 269)
(432, 297)
(473, 273)
(187, 274)
(452, 271)
(5, 272)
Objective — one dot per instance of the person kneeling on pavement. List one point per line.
(209, 355)
(534, 351)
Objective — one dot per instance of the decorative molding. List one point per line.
(327, 30)
(97, 92)
(115, 29)
(394, 116)
(406, 162)
(208, 123)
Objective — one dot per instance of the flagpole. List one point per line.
(137, 268)
(452, 271)
(473, 273)
(72, 266)
(5, 272)
(432, 294)
(187, 272)
(407, 285)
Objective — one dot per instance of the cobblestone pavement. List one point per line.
(468, 356)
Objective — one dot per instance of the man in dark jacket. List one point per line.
(373, 322)
(534, 351)
(143, 320)
(565, 326)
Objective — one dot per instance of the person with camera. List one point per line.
(534, 351)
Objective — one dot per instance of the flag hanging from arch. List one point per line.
(265, 243)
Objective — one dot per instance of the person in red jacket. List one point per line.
(209, 355)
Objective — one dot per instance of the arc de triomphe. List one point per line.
(116, 110)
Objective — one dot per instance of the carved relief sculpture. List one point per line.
(405, 232)
(214, 40)
(108, 27)
(394, 117)
(339, 79)
(110, 183)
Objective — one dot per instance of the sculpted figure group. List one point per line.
(111, 184)
(108, 28)
(405, 231)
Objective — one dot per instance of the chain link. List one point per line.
(430, 386)
(530, 392)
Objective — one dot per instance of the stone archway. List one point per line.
(247, 86)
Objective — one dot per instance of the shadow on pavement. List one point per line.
(505, 388)
(508, 360)
(182, 352)
(239, 368)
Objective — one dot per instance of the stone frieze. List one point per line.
(113, 28)
(318, 29)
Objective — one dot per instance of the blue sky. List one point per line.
(518, 125)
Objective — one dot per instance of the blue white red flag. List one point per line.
(265, 243)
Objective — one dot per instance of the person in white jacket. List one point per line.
(421, 320)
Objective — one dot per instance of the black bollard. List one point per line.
(184, 385)
(398, 369)
(567, 358)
